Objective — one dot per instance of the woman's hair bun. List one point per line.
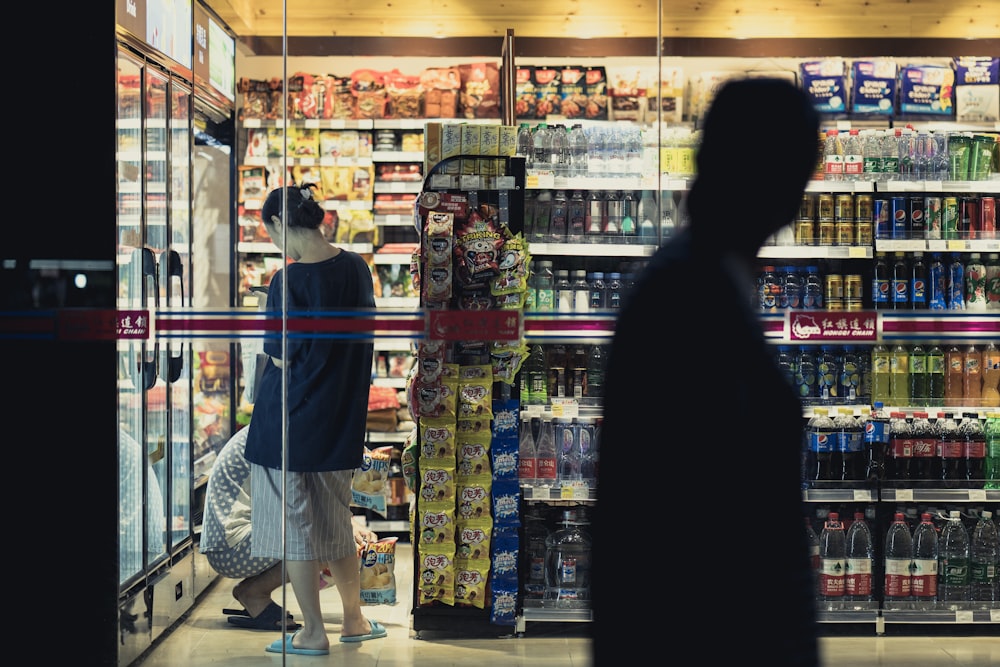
(303, 209)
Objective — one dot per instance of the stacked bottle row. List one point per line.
(556, 558)
(934, 217)
(559, 452)
(929, 569)
(558, 371)
(807, 287)
(953, 282)
(935, 375)
(924, 569)
(903, 154)
(599, 216)
(597, 151)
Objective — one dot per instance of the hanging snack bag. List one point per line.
(378, 572)
(368, 88)
(548, 98)
(525, 97)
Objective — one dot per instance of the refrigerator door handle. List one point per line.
(151, 298)
(172, 278)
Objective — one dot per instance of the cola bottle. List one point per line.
(898, 561)
(924, 578)
(924, 451)
(973, 449)
(822, 441)
(833, 561)
(859, 563)
(846, 461)
(950, 452)
(984, 561)
(876, 442)
(897, 463)
(953, 563)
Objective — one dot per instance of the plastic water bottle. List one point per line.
(791, 287)
(596, 162)
(833, 560)
(614, 290)
(786, 363)
(898, 560)
(536, 376)
(564, 292)
(581, 291)
(546, 468)
(924, 579)
(596, 364)
(542, 147)
(812, 291)
(579, 151)
(827, 373)
(535, 534)
(598, 291)
(813, 540)
(633, 152)
(853, 159)
(576, 214)
(587, 443)
(849, 388)
(559, 220)
(871, 152)
(805, 375)
(525, 146)
(567, 563)
(567, 456)
(560, 155)
(542, 227)
(647, 217)
(833, 156)
(984, 563)
(545, 283)
(890, 155)
(668, 215)
(953, 563)
(526, 456)
(859, 563)
(614, 151)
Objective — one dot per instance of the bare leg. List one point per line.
(346, 574)
(254, 593)
(305, 584)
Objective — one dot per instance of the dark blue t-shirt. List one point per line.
(328, 378)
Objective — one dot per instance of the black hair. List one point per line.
(303, 210)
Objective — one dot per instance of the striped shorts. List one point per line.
(317, 515)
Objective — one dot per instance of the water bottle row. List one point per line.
(599, 216)
(556, 558)
(560, 452)
(907, 155)
(600, 151)
(574, 291)
(955, 282)
(927, 568)
(900, 451)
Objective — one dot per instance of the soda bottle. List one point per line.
(581, 291)
(769, 290)
(805, 376)
(935, 375)
(786, 363)
(972, 376)
(937, 283)
(876, 442)
(791, 288)
(847, 460)
(647, 217)
(881, 282)
(898, 561)
(953, 563)
(918, 282)
(563, 292)
(813, 540)
(576, 214)
(833, 560)
(993, 281)
(973, 449)
(578, 372)
(954, 369)
(899, 369)
(536, 376)
(859, 563)
(822, 442)
(923, 451)
(567, 563)
(597, 212)
(919, 377)
(881, 374)
(529, 214)
(596, 363)
(557, 360)
(615, 212)
(614, 290)
(990, 396)
(827, 374)
(924, 579)
(992, 471)
(950, 452)
(668, 215)
(900, 454)
(955, 284)
(545, 283)
(559, 221)
(535, 533)
(628, 214)
(984, 563)
(975, 283)
(526, 457)
(833, 156)
(598, 291)
(812, 290)
(900, 282)
(546, 456)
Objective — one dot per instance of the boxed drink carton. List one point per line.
(926, 89)
(825, 82)
(977, 88)
(873, 88)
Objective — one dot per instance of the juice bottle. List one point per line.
(991, 376)
(881, 387)
(954, 373)
(899, 379)
(972, 376)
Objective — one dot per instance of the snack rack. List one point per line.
(462, 463)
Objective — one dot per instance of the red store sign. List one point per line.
(832, 325)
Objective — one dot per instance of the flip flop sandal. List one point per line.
(269, 619)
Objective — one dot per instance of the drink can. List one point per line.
(827, 232)
(949, 218)
(863, 206)
(882, 215)
(807, 209)
(843, 208)
(863, 232)
(917, 222)
(824, 207)
(853, 304)
(835, 304)
(834, 287)
(988, 217)
(805, 231)
(968, 217)
(932, 213)
(844, 232)
(853, 286)
(899, 216)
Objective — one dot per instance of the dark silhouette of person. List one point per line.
(699, 520)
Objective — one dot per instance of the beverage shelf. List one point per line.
(942, 615)
(536, 610)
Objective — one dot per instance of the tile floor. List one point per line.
(204, 638)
